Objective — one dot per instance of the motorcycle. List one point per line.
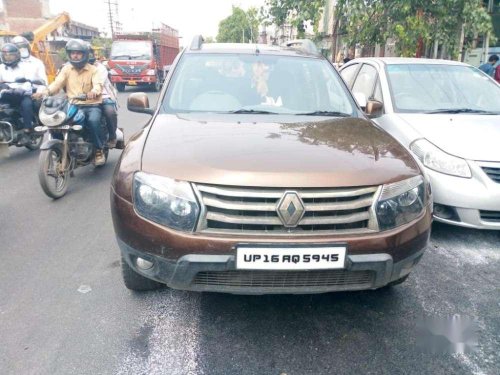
(12, 131)
(68, 145)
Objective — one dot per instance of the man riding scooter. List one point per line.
(77, 78)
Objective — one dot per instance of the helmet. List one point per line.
(91, 55)
(77, 45)
(24, 46)
(10, 54)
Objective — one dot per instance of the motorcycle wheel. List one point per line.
(35, 142)
(53, 183)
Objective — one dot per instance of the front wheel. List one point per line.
(53, 180)
(120, 87)
(137, 282)
(157, 85)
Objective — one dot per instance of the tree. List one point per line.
(299, 13)
(413, 23)
(239, 27)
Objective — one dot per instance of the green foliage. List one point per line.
(102, 45)
(369, 22)
(296, 12)
(239, 27)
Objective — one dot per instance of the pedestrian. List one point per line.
(489, 67)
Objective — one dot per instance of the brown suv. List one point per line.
(258, 173)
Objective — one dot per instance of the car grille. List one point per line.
(255, 211)
(493, 216)
(286, 279)
(131, 69)
(493, 173)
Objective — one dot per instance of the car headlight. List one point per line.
(401, 202)
(54, 119)
(438, 160)
(165, 201)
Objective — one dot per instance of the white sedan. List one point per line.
(448, 114)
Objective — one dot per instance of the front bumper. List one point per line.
(133, 80)
(217, 273)
(472, 199)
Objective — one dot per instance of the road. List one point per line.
(64, 309)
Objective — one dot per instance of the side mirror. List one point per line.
(361, 99)
(139, 102)
(374, 108)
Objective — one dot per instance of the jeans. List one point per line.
(109, 108)
(93, 123)
(25, 105)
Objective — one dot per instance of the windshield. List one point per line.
(131, 50)
(260, 84)
(442, 88)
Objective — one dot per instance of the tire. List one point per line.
(398, 281)
(120, 87)
(54, 187)
(137, 282)
(36, 142)
(157, 85)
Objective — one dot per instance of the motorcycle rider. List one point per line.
(109, 99)
(17, 94)
(35, 65)
(79, 77)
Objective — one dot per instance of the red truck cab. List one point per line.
(140, 59)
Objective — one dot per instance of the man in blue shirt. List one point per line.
(488, 67)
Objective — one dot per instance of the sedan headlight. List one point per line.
(165, 201)
(438, 160)
(401, 202)
(54, 119)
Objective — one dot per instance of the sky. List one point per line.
(190, 17)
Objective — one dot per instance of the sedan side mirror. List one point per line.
(139, 102)
(361, 99)
(374, 108)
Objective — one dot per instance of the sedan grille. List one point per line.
(493, 216)
(286, 279)
(493, 173)
(280, 211)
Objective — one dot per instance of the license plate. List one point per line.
(131, 83)
(290, 258)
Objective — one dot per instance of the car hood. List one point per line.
(469, 136)
(316, 153)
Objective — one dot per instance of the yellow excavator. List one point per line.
(40, 48)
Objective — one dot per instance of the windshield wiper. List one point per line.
(324, 113)
(460, 110)
(118, 56)
(253, 112)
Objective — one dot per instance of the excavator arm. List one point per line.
(38, 47)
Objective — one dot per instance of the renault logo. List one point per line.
(290, 209)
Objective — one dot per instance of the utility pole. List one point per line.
(114, 23)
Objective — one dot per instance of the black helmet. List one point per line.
(24, 46)
(10, 54)
(91, 55)
(77, 45)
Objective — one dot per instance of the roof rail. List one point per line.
(305, 45)
(197, 42)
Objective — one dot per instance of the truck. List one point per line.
(142, 58)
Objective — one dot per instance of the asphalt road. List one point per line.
(64, 309)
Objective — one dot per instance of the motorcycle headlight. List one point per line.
(438, 160)
(54, 119)
(401, 202)
(165, 201)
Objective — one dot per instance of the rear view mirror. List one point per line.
(361, 99)
(139, 102)
(374, 108)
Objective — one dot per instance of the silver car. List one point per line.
(448, 114)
